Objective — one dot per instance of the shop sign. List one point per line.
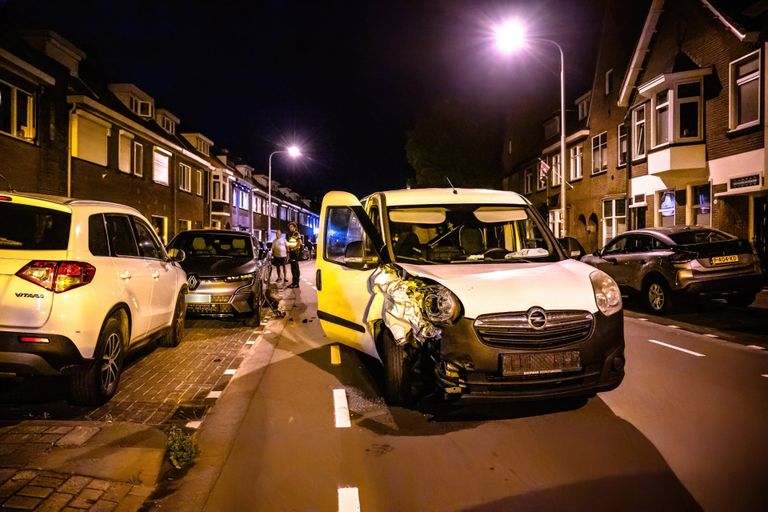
(745, 181)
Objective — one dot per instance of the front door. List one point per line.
(346, 258)
(761, 230)
(163, 299)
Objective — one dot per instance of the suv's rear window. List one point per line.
(699, 236)
(24, 227)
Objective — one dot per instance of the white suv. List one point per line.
(467, 291)
(81, 284)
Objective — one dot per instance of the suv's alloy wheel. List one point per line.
(98, 382)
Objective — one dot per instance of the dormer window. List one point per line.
(168, 124)
(203, 147)
(583, 109)
(144, 108)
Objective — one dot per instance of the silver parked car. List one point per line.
(661, 264)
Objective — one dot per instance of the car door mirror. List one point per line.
(355, 258)
(176, 255)
(597, 253)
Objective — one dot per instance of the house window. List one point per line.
(90, 138)
(544, 168)
(661, 121)
(160, 164)
(220, 188)
(138, 159)
(666, 204)
(160, 225)
(600, 153)
(608, 82)
(184, 225)
(577, 162)
(702, 205)
(528, 177)
(168, 125)
(125, 149)
(744, 90)
(614, 218)
(216, 224)
(688, 111)
(17, 112)
(556, 222)
(583, 109)
(556, 170)
(622, 144)
(638, 132)
(552, 127)
(199, 182)
(185, 177)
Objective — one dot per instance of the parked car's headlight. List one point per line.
(439, 305)
(607, 294)
(241, 277)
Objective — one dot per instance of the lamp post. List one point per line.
(510, 37)
(293, 152)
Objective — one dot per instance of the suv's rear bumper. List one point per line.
(722, 285)
(58, 356)
(602, 361)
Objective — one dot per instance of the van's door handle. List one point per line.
(125, 275)
(318, 280)
(156, 275)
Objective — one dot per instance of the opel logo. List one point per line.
(193, 281)
(537, 318)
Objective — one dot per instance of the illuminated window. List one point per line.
(138, 159)
(90, 139)
(17, 112)
(614, 218)
(577, 162)
(199, 182)
(125, 150)
(744, 87)
(160, 164)
(185, 177)
(688, 108)
(702, 205)
(667, 208)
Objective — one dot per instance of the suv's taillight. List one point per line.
(682, 257)
(58, 276)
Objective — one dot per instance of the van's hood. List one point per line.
(485, 288)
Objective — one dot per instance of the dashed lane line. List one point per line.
(765, 375)
(214, 394)
(673, 347)
(230, 371)
(349, 499)
(335, 355)
(341, 408)
(756, 347)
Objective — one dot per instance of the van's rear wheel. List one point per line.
(397, 381)
(97, 383)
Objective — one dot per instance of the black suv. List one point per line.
(223, 273)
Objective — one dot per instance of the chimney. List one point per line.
(56, 47)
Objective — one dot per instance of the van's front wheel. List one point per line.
(397, 387)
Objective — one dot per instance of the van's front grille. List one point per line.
(514, 331)
(210, 309)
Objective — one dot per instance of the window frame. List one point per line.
(734, 97)
(121, 155)
(608, 89)
(636, 123)
(137, 165)
(613, 218)
(14, 114)
(528, 180)
(199, 182)
(622, 155)
(185, 177)
(602, 147)
(655, 107)
(677, 110)
(554, 169)
(164, 153)
(576, 171)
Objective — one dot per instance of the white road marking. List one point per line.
(672, 326)
(765, 375)
(677, 348)
(214, 394)
(230, 371)
(341, 409)
(756, 347)
(194, 424)
(711, 335)
(643, 319)
(349, 499)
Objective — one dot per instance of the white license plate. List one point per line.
(198, 298)
(719, 260)
(540, 363)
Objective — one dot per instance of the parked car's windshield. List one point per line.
(699, 236)
(30, 227)
(469, 233)
(213, 245)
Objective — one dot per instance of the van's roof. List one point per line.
(69, 201)
(428, 196)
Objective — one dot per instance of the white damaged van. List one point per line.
(466, 289)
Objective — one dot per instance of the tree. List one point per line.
(456, 141)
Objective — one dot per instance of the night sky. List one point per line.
(343, 79)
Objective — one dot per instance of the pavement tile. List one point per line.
(35, 491)
(74, 484)
(86, 499)
(47, 438)
(103, 506)
(48, 481)
(59, 430)
(26, 474)
(55, 502)
(7, 449)
(21, 503)
(30, 429)
(14, 438)
(5, 474)
(101, 485)
(79, 435)
(116, 492)
(11, 487)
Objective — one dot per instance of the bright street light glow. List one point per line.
(510, 36)
(294, 151)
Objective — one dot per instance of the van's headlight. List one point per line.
(607, 294)
(439, 305)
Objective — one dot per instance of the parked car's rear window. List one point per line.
(24, 227)
(699, 237)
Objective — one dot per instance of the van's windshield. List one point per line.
(470, 233)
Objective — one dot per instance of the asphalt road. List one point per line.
(685, 431)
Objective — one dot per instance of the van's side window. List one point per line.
(343, 228)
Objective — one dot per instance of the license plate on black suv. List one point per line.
(540, 363)
(721, 260)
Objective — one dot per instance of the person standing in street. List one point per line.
(294, 251)
(279, 254)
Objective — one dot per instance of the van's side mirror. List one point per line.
(355, 258)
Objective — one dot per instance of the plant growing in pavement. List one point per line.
(182, 447)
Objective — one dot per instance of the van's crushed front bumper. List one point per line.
(581, 354)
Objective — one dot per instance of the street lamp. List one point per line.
(511, 37)
(293, 152)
